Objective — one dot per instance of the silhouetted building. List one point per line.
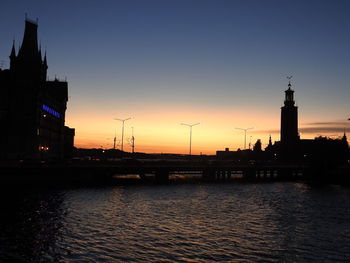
(292, 148)
(239, 156)
(324, 151)
(321, 152)
(32, 108)
(289, 119)
(288, 147)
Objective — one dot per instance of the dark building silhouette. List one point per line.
(32, 108)
(240, 156)
(289, 119)
(324, 151)
(321, 150)
(289, 126)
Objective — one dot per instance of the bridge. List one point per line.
(158, 171)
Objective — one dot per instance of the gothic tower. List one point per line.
(32, 108)
(289, 119)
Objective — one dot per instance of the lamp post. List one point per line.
(123, 121)
(245, 134)
(190, 125)
(115, 138)
(132, 140)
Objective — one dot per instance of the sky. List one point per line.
(217, 62)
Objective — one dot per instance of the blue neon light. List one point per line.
(51, 111)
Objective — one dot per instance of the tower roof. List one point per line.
(29, 47)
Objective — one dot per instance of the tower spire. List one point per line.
(289, 83)
(45, 61)
(344, 136)
(13, 55)
(13, 51)
(44, 67)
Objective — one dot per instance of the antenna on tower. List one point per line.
(289, 78)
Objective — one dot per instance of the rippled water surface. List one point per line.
(271, 222)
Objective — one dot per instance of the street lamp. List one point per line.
(245, 134)
(132, 140)
(190, 125)
(115, 138)
(123, 121)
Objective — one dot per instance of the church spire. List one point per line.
(12, 55)
(344, 137)
(44, 68)
(345, 140)
(270, 141)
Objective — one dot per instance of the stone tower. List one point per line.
(289, 119)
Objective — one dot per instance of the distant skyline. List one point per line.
(221, 63)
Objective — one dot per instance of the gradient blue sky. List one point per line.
(221, 63)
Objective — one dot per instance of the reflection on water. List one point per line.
(185, 223)
(29, 224)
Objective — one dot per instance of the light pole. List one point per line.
(123, 121)
(190, 125)
(245, 134)
(132, 140)
(115, 138)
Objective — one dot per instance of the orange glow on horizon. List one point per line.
(157, 129)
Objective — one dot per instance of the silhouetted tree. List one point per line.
(257, 146)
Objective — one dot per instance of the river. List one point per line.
(222, 222)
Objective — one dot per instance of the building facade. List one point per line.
(32, 108)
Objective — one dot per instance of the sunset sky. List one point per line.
(221, 63)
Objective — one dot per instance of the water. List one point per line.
(267, 222)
